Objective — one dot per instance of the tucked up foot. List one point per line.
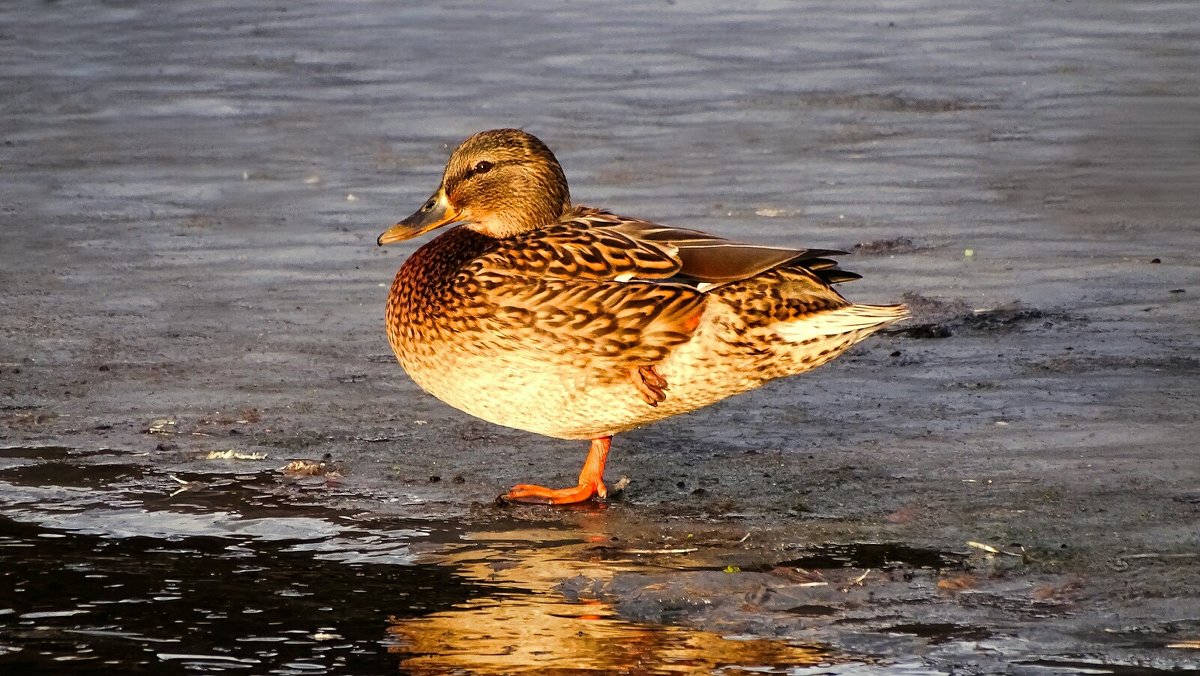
(649, 384)
(591, 482)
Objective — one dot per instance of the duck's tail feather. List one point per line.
(852, 319)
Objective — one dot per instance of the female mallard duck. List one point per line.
(576, 323)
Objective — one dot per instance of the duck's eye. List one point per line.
(482, 167)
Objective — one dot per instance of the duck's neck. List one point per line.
(505, 224)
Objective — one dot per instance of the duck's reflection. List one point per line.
(535, 629)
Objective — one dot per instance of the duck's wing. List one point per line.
(710, 261)
(595, 244)
(584, 293)
(601, 287)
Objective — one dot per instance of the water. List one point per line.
(245, 575)
(190, 195)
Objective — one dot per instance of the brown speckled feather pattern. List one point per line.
(540, 331)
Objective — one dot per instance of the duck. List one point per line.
(571, 322)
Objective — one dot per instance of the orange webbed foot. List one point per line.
(540, 495)
(591, 482)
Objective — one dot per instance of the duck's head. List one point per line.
(500, 182)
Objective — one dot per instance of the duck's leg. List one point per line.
(591, 482)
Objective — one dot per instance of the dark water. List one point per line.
(103, 575)
(202, 604)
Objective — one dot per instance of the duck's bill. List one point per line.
(435, 213)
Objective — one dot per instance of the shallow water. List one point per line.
(239, 572)
(190, 194)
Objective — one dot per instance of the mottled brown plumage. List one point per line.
(575, 323)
